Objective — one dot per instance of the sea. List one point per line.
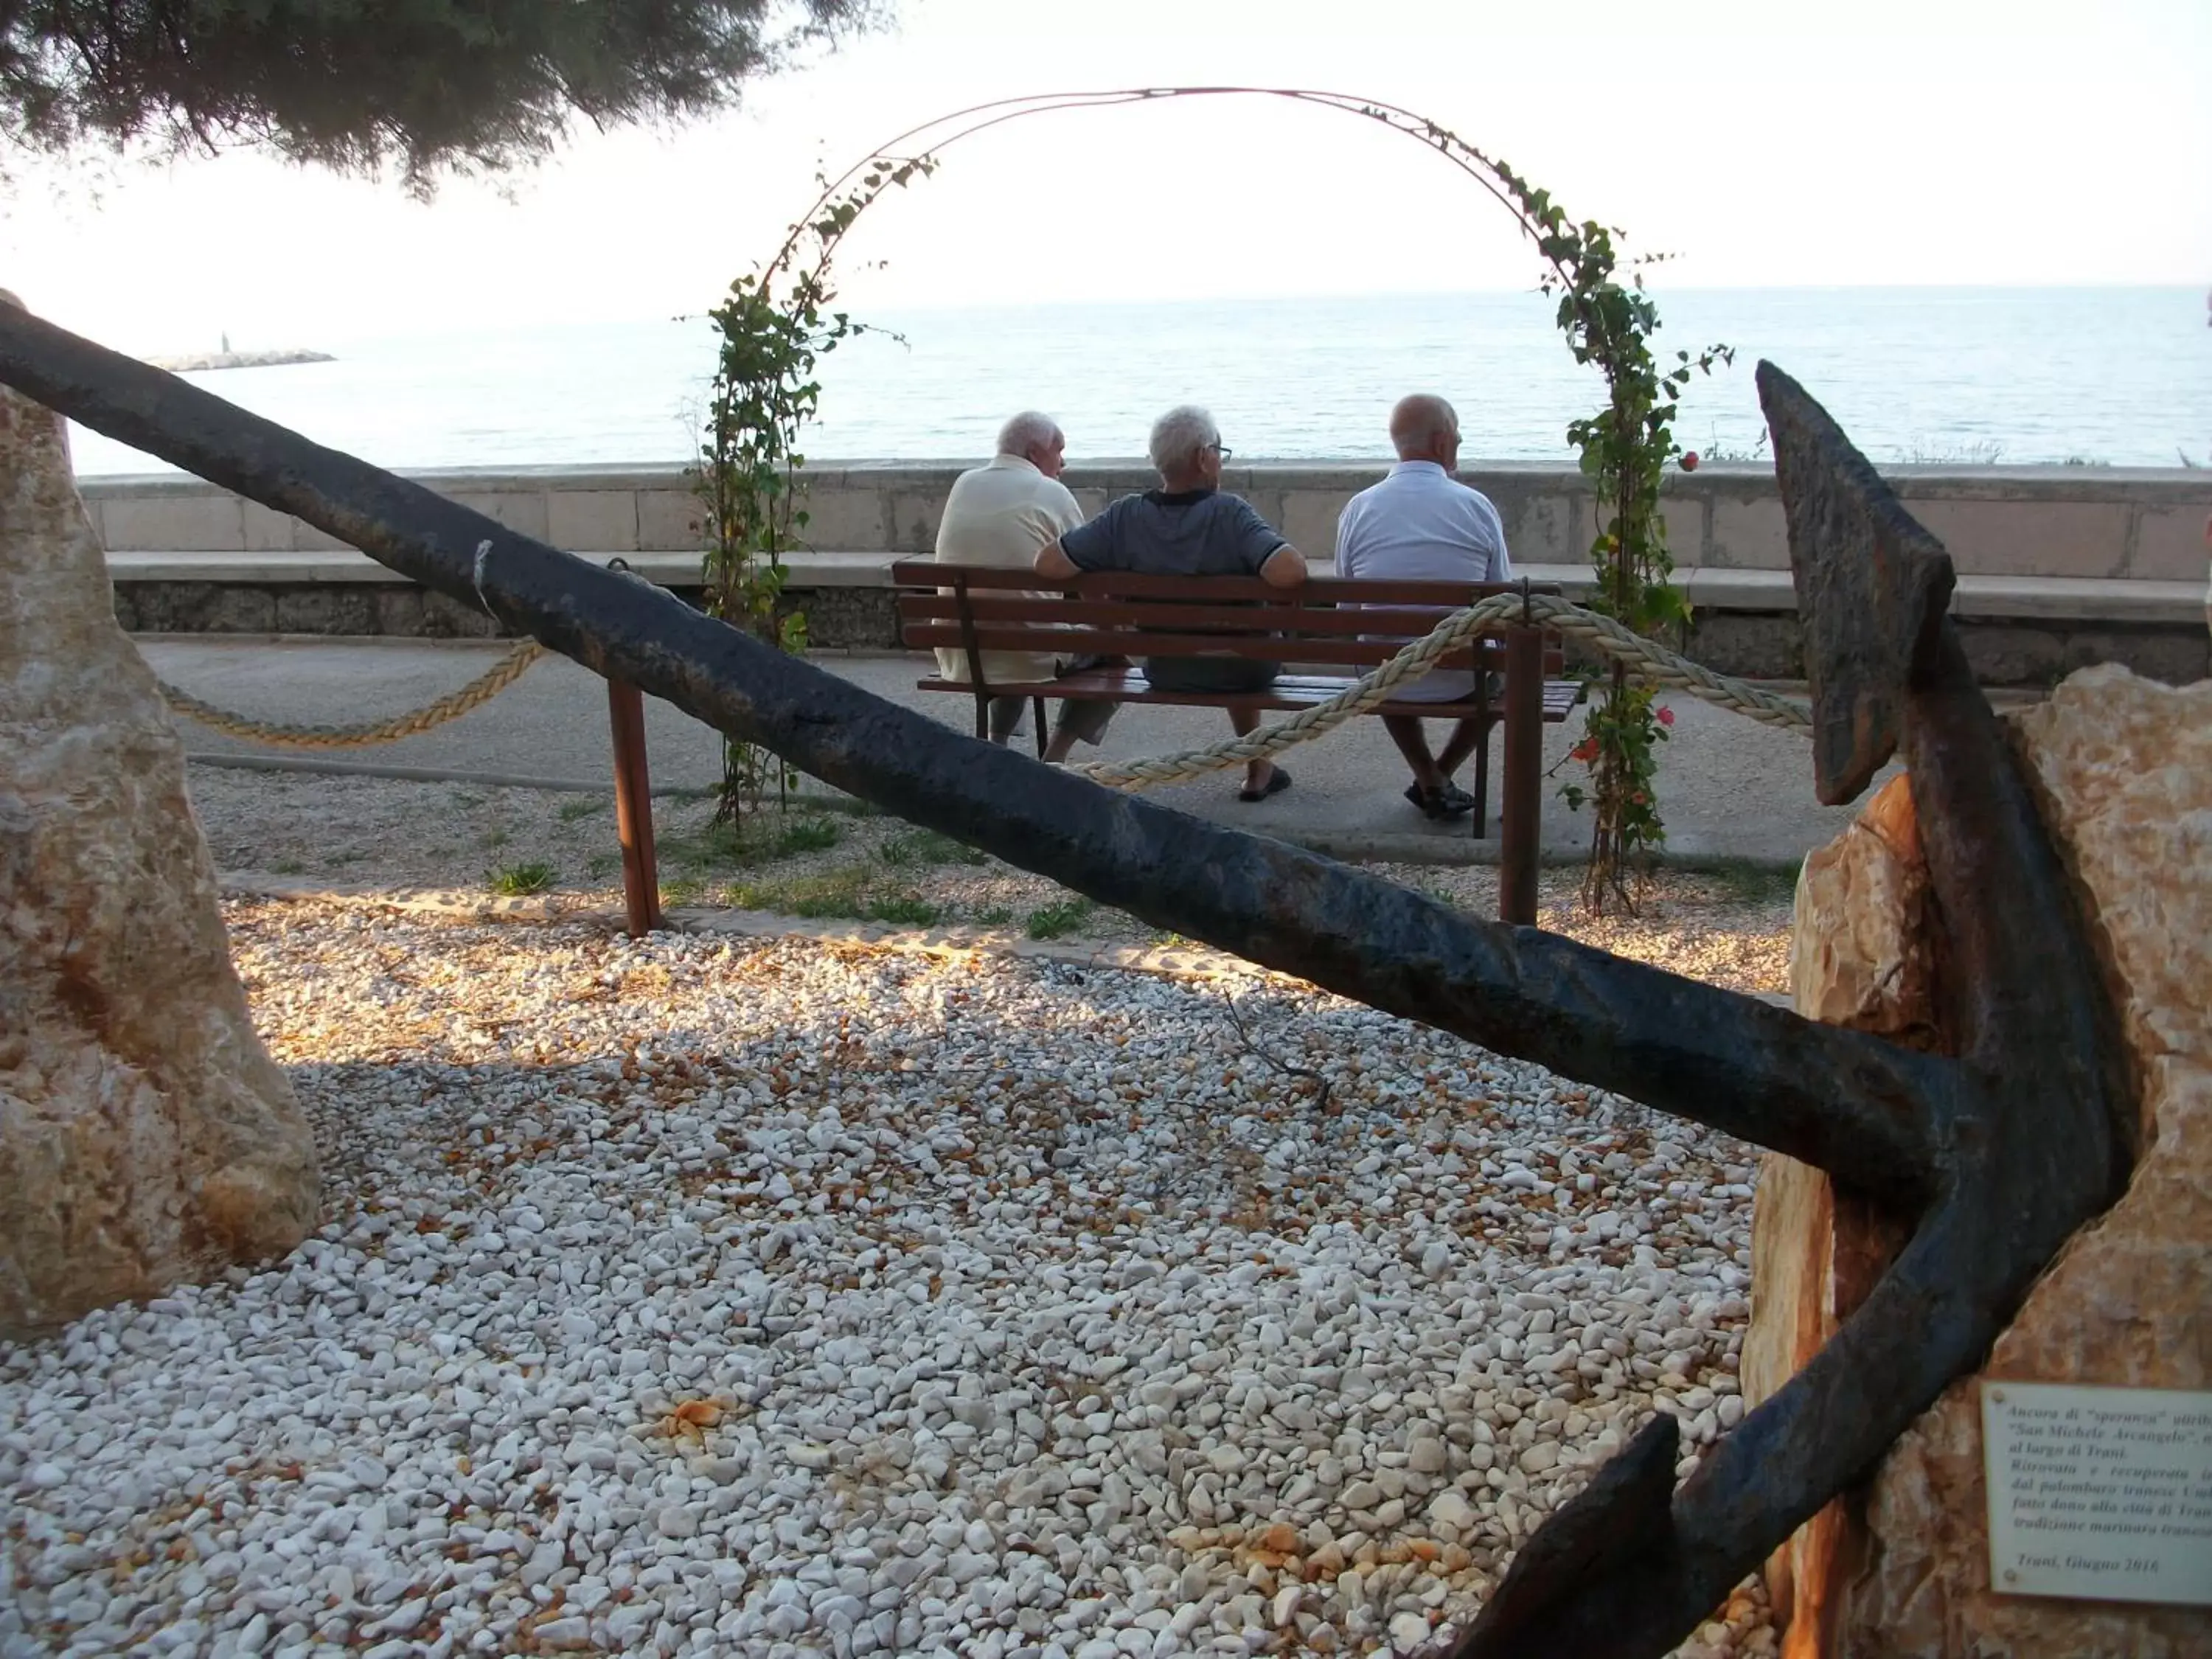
(2007, 376)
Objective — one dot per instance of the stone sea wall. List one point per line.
(2061, 566)
(2083, 523)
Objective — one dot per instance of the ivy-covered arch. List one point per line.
(779, 320)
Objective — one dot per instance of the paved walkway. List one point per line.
(1728, 787)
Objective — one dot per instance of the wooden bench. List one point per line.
(1326, 632)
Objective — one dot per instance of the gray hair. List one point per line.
(1026, 431)
(1179, 434)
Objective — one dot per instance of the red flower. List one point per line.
(1585, 750)
(1665, 717)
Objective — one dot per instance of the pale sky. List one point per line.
(1886, 141)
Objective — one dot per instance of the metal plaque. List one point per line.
(2101, 1493)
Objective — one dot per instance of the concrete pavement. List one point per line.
(1728, 787)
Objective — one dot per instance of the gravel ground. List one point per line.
(1730, 929)
(784, 1296)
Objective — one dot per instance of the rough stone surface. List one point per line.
(1862, 951)
(327, 609)
(1862, 954)
(2041, 654)
(145, 1135)
(2124, 771)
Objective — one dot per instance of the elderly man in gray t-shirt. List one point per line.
(1188, 527)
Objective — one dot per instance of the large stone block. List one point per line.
(213, 523)
(1862, 954)
(849, 619)
(305, 538)
(1540, 530)
(669, 522)
(522, 510)
(1309, 520)
(1748, 534)
(400, 610)
(1682, 517)
(2169, 545)
(2123, 770)
(1861, 944)
(268, 530)
(844, 517)
(592, 520)
(145, 1136)
(2041, 654)
(1267, 501)
(1758, 645)
(2027, 538)
(444, 618)
(201, 608)
(913, 518)
(327, 608)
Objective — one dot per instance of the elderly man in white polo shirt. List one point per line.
(1001, 514)
(1420, 524)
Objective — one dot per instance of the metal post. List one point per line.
(634, 807)
(1523, 779)
(1486, 719)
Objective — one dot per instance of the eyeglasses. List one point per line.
(1221, 449)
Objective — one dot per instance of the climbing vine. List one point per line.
(1626, 450)
(776, 323)
(773, 329)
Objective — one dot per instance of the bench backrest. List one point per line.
(1328, 619)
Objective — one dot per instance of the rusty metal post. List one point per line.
(634, 807)
(1522, 818)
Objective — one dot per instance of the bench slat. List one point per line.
(1104, 642)
(1357, 654)
(1401, 623)
(1107, 583)
(1289, 692)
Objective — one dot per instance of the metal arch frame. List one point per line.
(1995, 1155)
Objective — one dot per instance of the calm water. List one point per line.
(2010, 375)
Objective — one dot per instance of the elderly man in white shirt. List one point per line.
(1001, 514)
(1420, 524)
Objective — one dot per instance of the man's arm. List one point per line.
(1263, 550)
(1082, 547)
(1285, 568)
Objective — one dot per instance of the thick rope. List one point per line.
(1646, 658)
(455, 704)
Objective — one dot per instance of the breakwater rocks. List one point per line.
(193, 363)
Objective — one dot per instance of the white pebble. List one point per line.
(597, 1314)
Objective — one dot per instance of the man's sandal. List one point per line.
(1450, 802)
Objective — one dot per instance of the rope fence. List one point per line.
(451, 706)
(1646, 658)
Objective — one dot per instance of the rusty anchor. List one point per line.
(1993, 1156)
